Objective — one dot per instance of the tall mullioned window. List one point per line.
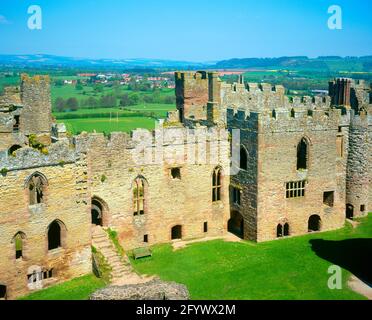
(295, 189)
(139, 197)
(36, 188)
(216, 187)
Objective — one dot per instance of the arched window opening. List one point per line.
(16, 124)
(36, 187)
(139, 197)
(13, 149)
(243, 158)
(286, 230)
(302, 155)
(217, 185)
(54, 235)
(314, 223)
(176, 232)
(18, 241)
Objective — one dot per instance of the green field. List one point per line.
(157, 110)
(126, 124)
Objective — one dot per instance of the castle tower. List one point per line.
(359, 198)
(339, 91)
(215, 114)
(191, 95)
(358, 177)
(37, 110)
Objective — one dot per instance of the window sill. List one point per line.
(218, 204)
(54, 253)
(37, 208)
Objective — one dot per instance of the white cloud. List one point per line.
(3, 20)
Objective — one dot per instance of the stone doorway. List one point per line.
(99, 212)
(2, 292)
(176, 232)
(236, 224)
(315, 223)
(349, 211)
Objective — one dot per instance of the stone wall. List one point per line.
(278, 139)
(168, 201)
(64, 200)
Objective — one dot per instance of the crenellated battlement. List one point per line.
(262, 97)
(283, 119)
(37, 79)
(163, 136)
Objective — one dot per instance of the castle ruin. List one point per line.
(304, 165)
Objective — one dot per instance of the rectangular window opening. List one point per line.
(295, 189)
(329, 198)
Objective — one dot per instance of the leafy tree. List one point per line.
(58, 83)
(72, 104)
(124, 100)
(134, 99)
(60, 104)
(98, 88)
(79, 87)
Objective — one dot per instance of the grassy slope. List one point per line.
(285, 269)
(76, 289)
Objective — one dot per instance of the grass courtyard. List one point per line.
(292, 268)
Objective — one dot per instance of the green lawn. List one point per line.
(105, 125)
(284, 269)
(76, 289)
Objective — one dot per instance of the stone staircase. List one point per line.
(122, 270)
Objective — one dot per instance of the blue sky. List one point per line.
(194, 30)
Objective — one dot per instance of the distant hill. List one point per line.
(329, 63)
(320, 64)
(42, 60)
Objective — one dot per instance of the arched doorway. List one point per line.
(279, 231)
(2, 292)
(97, 213)
(349, 211)
(176, 232)
(315, 223)
(286, 230)
(236, 224)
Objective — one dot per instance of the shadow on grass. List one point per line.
(353, 255)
